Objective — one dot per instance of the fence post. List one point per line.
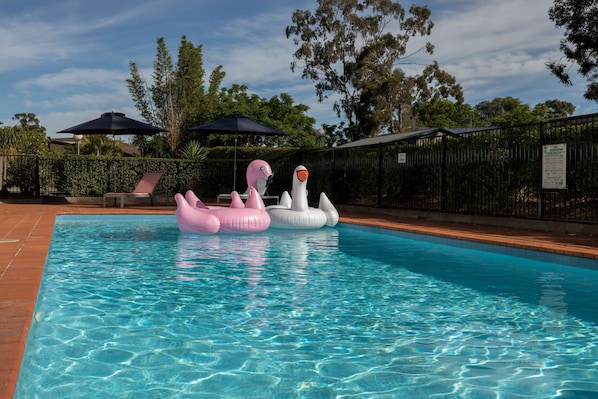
(540, 190)
(379, 192)
(37, 177)
(443, 175)
(333, 194)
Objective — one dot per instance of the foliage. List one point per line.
(445, 113)
(193, 151)
(503, 112)
(279, 112)
(20, 173)
(98, 144)
(556, 109)
(579, 46)
(511, 111)
(177, 96)
(346, 47)
(155, 147)
(180, 98)
(27, 137)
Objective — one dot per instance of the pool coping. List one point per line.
(27, 230)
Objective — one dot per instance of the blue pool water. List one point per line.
(129, 307)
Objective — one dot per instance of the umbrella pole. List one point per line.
(235, 167)
(114, 163)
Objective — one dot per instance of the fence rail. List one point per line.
(494, 172)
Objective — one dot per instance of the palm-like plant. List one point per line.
(193, 151)
(97, 144)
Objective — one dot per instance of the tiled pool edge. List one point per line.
(19, 285)
(531, 241)
(489, 246)
(29, 228)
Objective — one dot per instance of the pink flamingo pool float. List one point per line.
(194, 216)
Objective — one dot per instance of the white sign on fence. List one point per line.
(554, 166)
(402, 158)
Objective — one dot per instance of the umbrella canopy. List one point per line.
(114, 123)
(238, 125)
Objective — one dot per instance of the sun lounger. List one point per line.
(144, 189)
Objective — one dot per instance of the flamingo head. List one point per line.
(259, 169)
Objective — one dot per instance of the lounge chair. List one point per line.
(261, 188)
(144, 189)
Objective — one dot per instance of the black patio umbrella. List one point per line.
(114, 123)
(237, 125)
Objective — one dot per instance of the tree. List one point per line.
(580, 43)
(511, 111)
(177, 97)
(28, 136)
(347, 48)
(507, 111)
(445, 113)
(279, 111)
(98, 144)
(557, 109)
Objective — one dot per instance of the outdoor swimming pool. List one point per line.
(131, 307)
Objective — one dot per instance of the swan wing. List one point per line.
(331, 213)
(285, 200)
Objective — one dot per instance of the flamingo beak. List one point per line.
(302, 175)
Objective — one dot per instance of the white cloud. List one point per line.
(76, 77)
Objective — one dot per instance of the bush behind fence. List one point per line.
(494, 172)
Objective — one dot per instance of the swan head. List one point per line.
(299, 194)
(301, 174)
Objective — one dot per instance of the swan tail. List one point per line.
(329, 209)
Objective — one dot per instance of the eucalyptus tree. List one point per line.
(580, 43)
(352, 49)
(557, 108)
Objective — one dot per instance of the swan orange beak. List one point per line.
(302, 175)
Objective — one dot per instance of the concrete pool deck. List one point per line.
(26, 231)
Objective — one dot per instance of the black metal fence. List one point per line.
(494, 172)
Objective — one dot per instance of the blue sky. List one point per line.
(67, 60)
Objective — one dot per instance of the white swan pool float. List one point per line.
(295, 212)
(193, 216)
